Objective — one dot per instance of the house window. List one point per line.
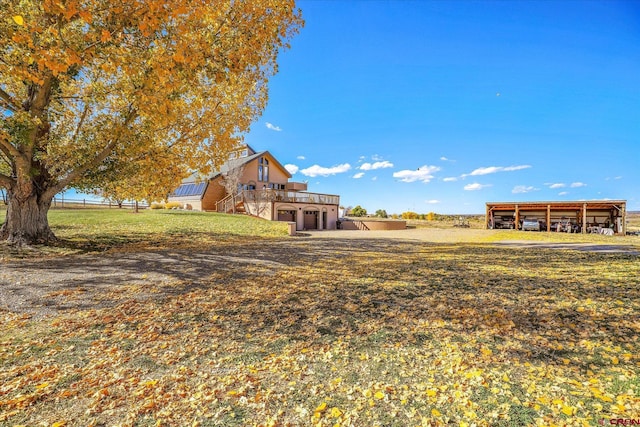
(276, 186)
(263, 169)
(244, 153)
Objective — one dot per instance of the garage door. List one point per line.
(310, 220)
(289, 216)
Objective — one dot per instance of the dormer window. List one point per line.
(263, 169)
(244, 153)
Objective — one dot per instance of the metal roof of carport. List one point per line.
(558, 205)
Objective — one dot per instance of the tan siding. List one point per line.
(215, 192)
(276, 174)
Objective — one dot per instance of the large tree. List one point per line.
(87, 86)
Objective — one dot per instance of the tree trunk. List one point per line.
(26, 222)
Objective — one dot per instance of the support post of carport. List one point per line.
(517, 219)
(584, 218)
(486, 216)
(548, 218)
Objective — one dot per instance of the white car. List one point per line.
(530, 224)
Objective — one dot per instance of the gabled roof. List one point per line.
(234, 163)
(195, 185)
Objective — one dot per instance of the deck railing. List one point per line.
(289, 196)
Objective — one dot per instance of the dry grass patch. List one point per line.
(342, 332)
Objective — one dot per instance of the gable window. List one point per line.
(263, 169)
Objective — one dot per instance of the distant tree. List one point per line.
(395, 216)
(381, 213)
(431, 216)
(358, 211)
(410, 215)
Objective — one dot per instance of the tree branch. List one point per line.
(99, 158)
(9, 101)
(80, 122)
(8, 149)
(5, 181)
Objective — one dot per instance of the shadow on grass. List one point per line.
(533, 304)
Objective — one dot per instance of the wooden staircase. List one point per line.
(226, 205)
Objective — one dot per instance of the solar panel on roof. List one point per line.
(189, 190)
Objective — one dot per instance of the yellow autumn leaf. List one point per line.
(335, 412)
(59, 424)
(379, 395)
(322, 407)
(18, 20)
(486, 351)
(568, 410)
(435, 412)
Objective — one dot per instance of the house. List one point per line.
(257, 184)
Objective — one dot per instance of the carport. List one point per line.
(579, 216)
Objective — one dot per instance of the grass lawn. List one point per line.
(328, 332)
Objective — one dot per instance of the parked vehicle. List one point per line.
(564, 225)
(530, 224)
(504, 222)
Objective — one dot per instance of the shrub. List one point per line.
(172, 205)
(156, 206)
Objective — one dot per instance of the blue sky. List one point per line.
(444, 105)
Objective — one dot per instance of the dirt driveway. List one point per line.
(47, 286)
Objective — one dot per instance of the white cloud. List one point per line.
(293, 169)
(273, 127)
(301, 157)
(375, 178)
(358, 175)
(450, 179)
(317, 170)
(494, 169)
(432, 201)
(376, 158)
(376, 165)
(520, 189)
(443, 158)
(516, 168)
(423, 174)
(577, 184)
(563, 193)
(557, 185)
(476, 186)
